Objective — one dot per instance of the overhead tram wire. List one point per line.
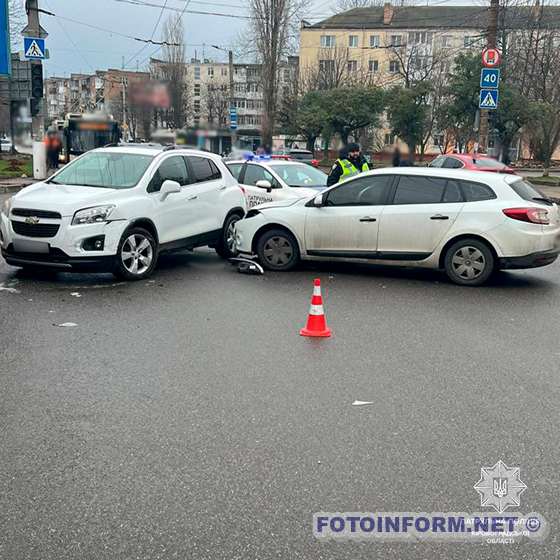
(151, 37)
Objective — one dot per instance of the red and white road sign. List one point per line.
(491, 57)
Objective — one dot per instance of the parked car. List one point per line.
(117, 209)
(472, 162)
(266, 180)
(467, 223)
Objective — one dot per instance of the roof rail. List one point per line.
(111, 145)
(170, 147)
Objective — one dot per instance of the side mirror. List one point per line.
(169, 187)
(317, 202)
(263, 184)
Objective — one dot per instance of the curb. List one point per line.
(4, 189)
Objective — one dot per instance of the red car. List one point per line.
(471, 161)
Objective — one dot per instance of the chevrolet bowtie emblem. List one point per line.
(32, 220)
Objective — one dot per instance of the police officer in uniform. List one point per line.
(350, 163)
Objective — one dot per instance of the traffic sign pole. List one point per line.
(491, 38)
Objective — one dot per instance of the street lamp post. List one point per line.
(231, 89)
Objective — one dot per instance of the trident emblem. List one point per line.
(500, 488)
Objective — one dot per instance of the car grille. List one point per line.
(35, 230)
(28, 212)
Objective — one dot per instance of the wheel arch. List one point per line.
(268, 227)
(475, 236)
(147, 224)
(236, 210)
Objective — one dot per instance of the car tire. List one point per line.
(278, 250)
(469, 262)
(226, 245)
(137, 254)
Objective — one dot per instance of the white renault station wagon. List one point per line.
(467, 223)
(118, 208)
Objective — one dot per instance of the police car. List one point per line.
(265, 179)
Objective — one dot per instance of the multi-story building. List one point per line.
(208, 100)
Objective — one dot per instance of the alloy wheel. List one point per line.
(137, 254)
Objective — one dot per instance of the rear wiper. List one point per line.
(543, 199)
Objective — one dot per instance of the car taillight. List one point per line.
(531, 215)
(315, 162)
(242, 189)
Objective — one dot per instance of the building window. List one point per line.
(211, 71)
(374, 41)
(197, 90)
(328, 41)
(373, 66)
(352, 66)
(326, 65)
(446, 41)
(197, 72)
(388, 140)
(224, 71)
(470, 41)
(197, 105)
(394, 66)
(395, 41)
(353, 41)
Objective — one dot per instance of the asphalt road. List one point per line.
(184, 417)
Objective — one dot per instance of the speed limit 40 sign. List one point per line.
(491, 57)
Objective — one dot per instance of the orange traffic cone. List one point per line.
(316, 321)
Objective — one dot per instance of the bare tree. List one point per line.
(273, 28)
(174, 70)
(16, 10)
(217, 104)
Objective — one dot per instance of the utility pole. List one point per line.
(34, 29)
(491, 40)
(124, 112)
(232, 95)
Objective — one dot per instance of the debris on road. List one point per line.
(76, 294)
(247, 266)
(361, 403)
(8, 289)
(67, 325)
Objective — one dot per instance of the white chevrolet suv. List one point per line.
(118, 208)
(468, 223)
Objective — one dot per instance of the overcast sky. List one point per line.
(76, 48)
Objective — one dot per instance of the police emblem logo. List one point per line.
(500, 487)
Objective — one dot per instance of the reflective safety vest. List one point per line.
(349, 169)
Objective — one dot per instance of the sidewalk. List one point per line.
(14, 184)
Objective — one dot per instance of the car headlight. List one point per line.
(7, 206)
(94, 215)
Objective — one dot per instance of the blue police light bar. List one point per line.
(5, 57)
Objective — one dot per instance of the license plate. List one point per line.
(25, 246)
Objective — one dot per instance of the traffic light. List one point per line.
(37, 81)
(35, 106)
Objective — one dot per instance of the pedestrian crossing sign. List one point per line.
(488, 99)
(34, 48)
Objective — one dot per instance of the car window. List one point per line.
(235, 169)
(366, 191)
(255, 173)
(527, 191)
(452, 192)
(204, 169)
(172, 169)
(438, 162)
(475, 191)
(452, 163)
(301, 175)
(419, 190)
(110, 170)
(301, 156)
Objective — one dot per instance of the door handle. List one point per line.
(193, 197)
(222, 188)
(368, 219)
(439, 217)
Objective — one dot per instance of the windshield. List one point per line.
(301, 175)
(485, 163)
(527, 191)
(110, 170)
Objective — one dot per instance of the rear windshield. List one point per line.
(528, 192)
(485, 163)
(301, 155)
